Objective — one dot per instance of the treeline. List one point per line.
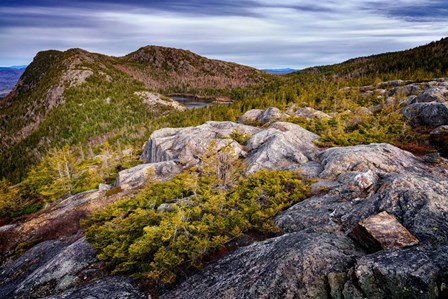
(424, 62)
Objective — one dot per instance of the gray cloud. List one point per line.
(290, 33)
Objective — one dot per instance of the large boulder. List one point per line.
(138, 176)
(430, 115)
(250, 117)
(408, 273)
(187, 145)
(294, 265)
(380, 158)
(262, 117)
(281, 146)
(270, 115)
(311, 113)
(435, 94)
(382, 231)
(439, 138)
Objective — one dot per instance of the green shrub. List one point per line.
(157, 242)
(240, 137)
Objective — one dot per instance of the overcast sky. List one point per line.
(260, 33)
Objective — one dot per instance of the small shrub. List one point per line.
(133, 236)
(240, 137)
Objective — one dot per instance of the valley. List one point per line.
(8, 79)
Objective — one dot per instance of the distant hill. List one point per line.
(14, 67)
(77, 97)
(9, 77)
(180, 71)
(279, 71)
(430, 60)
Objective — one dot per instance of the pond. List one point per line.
(192, 102)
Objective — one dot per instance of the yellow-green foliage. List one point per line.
(11, 203)
(355, 127)
(240, 137)
(61, 173)
(172, 227)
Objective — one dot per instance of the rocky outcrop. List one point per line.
(262, 117)
(357, 183)
(439, 138)
(137, 176)
(280, 146)
(106, 288)
(250, 117)
(187, 145)
(153, 99)
(310, 113)
(431, 114)
(294, 265)
(314, 256)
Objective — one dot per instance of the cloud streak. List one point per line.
(290, 33)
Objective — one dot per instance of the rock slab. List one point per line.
(382, 231)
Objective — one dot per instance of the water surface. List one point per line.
(192, 102)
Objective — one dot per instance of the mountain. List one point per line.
(323, 183)
(9, 77)
(180, 71)
(283, 71)
(77, 97)
(429, 60)
(14, 67)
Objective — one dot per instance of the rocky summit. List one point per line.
(368, 192)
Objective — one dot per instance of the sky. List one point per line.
(259, 33)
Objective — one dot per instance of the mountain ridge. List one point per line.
(432, 57)
(58, 79)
